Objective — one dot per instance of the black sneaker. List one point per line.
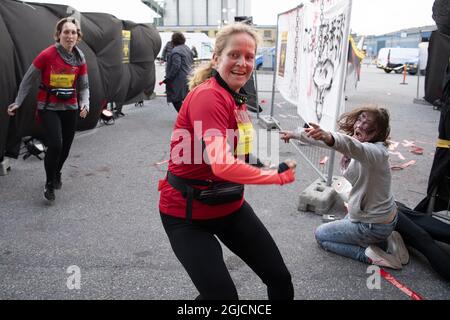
(57, 184)
(49, 192)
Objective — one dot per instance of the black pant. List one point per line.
(419, 231)
(59, 129)
(196, 246)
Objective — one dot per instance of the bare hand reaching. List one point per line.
(286, 136)
(317, 133)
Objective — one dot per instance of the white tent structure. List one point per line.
(203, 43)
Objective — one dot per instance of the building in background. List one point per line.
(406, 38)
(205, 16)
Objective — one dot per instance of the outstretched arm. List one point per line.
(349, 146)
(226, 167)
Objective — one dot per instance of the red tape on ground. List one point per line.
(386, 275)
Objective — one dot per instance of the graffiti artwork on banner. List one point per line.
(324, 42)
(323, 61)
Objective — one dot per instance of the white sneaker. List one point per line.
(397, 247)
(381, 258)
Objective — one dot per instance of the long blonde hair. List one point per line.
(203, 72)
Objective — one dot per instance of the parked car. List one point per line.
(265, 58)
(394, 59)
(259, 61)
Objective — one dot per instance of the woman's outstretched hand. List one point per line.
(286, 136)
(317, 133)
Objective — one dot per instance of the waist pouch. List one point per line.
(216, 193)
(220, 193)
(63, 94)
(60, 93)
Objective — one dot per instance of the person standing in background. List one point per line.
(178, 68)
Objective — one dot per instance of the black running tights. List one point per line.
(59, 131)
(199, 251)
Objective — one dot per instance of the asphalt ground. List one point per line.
(105, 220)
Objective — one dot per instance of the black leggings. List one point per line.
(59, 129)
(419, 231)
(199, 251)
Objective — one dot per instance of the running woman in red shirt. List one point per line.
(64, 89)
(201, 198)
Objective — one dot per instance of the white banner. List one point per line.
(290, 26)
(316, 83)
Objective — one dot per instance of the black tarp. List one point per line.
(438, 55)
(27, 28)
(439, 180)
(441, 15)
(437, 92)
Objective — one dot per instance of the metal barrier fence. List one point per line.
(285, 114)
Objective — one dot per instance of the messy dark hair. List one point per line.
(347, 121)
(178, 39)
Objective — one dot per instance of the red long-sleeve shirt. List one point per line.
(207, 113)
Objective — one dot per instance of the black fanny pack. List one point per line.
(221, 193)
(60, 93)
(217, 192)
(63, 94)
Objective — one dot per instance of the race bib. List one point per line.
(62, 80)
(246, 132)
(62, 76)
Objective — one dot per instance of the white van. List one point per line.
(203, 43)
(393, 59)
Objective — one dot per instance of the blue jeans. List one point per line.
(350, 239)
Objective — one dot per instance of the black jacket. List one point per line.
(178, 67)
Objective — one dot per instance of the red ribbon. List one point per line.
(410, 293)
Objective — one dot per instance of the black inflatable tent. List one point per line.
(26, 28)
(441, 15)
(438, 191)
(438, 56)
(437, 92)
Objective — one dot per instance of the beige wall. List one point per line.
(268, 35)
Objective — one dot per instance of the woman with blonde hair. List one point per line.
(202, 200)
